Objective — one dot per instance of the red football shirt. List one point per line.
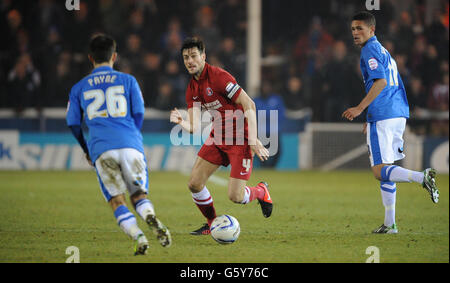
(217, 92)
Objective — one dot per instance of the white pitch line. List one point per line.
(344, 158)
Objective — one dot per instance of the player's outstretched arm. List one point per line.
(375, 90)
(192, 125)
(250, 113)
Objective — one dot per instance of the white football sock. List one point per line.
(127, 222)
(395, 173)
(388, 195)
(247, 193)
(144, 207)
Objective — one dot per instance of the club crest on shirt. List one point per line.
(209, 91)
(373, 64)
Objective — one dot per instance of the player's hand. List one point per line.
(175, 116)
(352, 113)
(365, 128)
(260, 151)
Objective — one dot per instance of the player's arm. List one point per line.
(78, 134)
(375, 90)
(73, 119)
(250, 113)
(137, 104)
(138, 120)
(193, 122)
(372, 58)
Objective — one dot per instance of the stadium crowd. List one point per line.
(309, 60)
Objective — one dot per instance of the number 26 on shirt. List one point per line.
(116, 103)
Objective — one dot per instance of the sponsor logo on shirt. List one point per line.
(213, 105)
(373, 64)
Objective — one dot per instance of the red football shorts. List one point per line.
(239, 156)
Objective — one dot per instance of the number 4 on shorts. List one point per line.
(246, 163)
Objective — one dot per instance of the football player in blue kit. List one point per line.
(387, 112)
(112, 107)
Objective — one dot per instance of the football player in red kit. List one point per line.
(233, 139)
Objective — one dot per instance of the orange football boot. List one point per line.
(266, 202)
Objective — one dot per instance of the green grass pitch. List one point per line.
(317, 217)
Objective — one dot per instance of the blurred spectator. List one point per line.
(417, 99)
(431, 66)
(174, 30)
(136, 26)
(23, 42)
(267, 101)
(231, 57)
(339, 95)
(79, 30)
(314, 43)
(47, 59)
(50, 50)
(214, 60)
(173, 42)
(133, 51)
(294, 94)
(23, 85)
(206, 28)
(50, 16)
(402, 67)
(124, 65)
(9, 42)
(232, 19)
(112, 14)
(437, 34)
(439, 101)
(405, 34)
(417, 54)
(177, 79)
(167, 99)
(153, 18)
(58, 88)
(150, 74)
(417, 96)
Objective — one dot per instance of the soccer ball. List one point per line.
(225, 229)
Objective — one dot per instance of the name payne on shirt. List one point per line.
(102, 79)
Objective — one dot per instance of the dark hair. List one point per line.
(366, 17)
(101, 48)
(192, 42)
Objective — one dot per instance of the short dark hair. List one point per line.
(192, 42)
(366, 17)
(101, 48)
